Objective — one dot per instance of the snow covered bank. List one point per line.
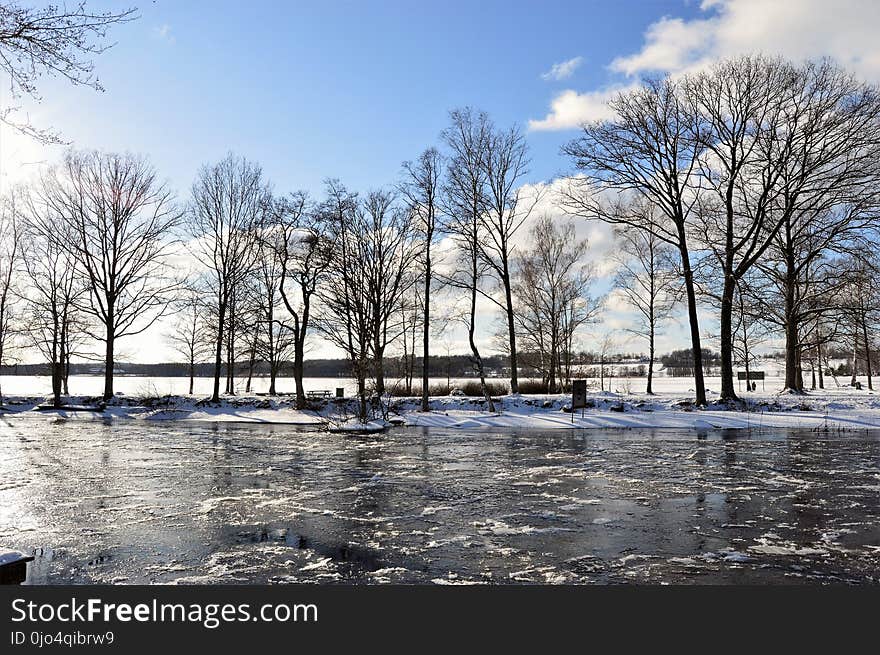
(839, 409)
(246, 409)
(835, 409)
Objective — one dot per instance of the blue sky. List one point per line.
(345, 89)
(351, 89)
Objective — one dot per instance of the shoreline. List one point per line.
(831, 410)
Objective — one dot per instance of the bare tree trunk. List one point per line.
(511, 331)
(66, 374)
(298, 375)
(252, 360)
(108, 361)
(477, 360)
(426, 330)
(56, 368)
(727, 389)
(379, 350)
(230, 354)
(696, 347)
(649, 389)
(855, 359)
(867, 350)
(218, 354)
(64, 358)
(362, 397)
(791, 345)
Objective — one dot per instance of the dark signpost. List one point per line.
(752, 375)
(578, 397)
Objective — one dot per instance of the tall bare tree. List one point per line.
(550, 290)
(648, 150)
(421, 188)
(275, 337)
(228, 202)
(187, 336)
(647, 278)
(121, 217)
(347, 317)
(829, 202)
(300, 237)
(53, 287)
(466, 198)
(392, 249)
(506, 208)
(10, 255)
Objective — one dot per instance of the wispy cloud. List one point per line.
(163, 33)
(563, 69)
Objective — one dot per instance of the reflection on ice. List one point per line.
(184, 503)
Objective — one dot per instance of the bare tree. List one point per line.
(300, 237)
(465, 192)
(392, 249)
(10, 254)
(54, 40)
(506, 208)
(54, 287)
(860, 307)
(746, 114)
(347, 317)
(648, 150)
(121, 217)
(647, 278)
(226, 210)
(607, 344)
(422, 188)
(275, 337)
(828, 203)
(550, 291)
(187, 334)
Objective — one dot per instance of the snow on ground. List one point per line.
(625, 407)
(662, 411)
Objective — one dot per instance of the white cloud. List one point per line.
(563, 69)
(571, 109)
(670, 45)
(844, 30)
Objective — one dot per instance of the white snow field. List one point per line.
(626, 406)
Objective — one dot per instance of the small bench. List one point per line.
(321, 393)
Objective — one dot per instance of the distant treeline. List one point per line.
(452, 366)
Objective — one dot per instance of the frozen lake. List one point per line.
(93, 385)
(134, 385)
(202, 503)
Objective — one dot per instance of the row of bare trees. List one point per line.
(99, 250)
(761, 175)
(85, 256)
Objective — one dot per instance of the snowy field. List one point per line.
(93, 385)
